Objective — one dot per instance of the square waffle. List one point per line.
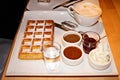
(38, 35)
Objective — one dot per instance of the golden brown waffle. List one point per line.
(38, 35)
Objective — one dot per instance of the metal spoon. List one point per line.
(68, 25)
(66, 6)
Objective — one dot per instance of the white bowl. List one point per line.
(71, 37)
(85, 13)
(72, 55)
(99, 59)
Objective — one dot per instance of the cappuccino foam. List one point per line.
(87, 9)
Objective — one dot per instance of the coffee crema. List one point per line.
(72, 52)
(72, 38)
(87, 9)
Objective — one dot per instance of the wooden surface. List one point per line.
(111, 20)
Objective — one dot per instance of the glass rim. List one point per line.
(97, 34)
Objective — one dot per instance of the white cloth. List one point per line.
(34, 5)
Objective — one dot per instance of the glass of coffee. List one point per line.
(85, 13)
(90, 41)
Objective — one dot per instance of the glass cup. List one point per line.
(52, 57)
(90, 41)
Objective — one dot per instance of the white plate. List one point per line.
(19, 67)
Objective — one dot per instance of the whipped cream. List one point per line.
(100, 55)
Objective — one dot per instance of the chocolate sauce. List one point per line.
(72, 52)
(89, 44)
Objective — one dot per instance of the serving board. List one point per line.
(19, 67)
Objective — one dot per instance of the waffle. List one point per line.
(38, 35)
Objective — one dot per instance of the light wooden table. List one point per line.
(111, 20)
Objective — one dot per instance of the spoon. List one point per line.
(66, 6)
(81, 32)
(68, 25)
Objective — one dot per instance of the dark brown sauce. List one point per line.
(71, 38)
(89, 44)
(72, 52)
